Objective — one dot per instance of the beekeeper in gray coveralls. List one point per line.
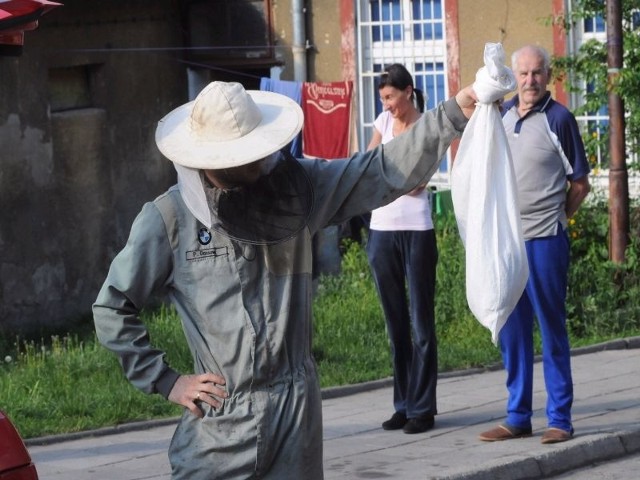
(230, 245)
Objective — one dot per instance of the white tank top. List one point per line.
(409, 212)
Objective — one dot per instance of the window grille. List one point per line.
(410, 32)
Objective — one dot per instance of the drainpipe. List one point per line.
(299, 46)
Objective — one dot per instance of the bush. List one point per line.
(462, 341)
(603, 297)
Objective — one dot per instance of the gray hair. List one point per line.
(541, 52)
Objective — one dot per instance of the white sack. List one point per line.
(485, 201)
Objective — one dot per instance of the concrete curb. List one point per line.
(329, 393)
(582, 451)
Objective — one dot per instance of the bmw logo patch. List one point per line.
(204, 236)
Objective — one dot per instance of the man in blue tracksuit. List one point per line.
(552, 181)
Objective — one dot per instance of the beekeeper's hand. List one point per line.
(466, 99)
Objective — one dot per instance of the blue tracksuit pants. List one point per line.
(544, 297)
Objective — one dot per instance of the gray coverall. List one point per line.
(246, 311)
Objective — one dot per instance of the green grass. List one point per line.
(70, 383)
(350, 341)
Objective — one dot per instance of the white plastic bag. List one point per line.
(485, 202)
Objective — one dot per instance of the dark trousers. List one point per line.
(394, 256)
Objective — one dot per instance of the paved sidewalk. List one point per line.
(606, 419)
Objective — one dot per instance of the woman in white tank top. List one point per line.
(403, 255)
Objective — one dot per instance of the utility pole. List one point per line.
(618, 176)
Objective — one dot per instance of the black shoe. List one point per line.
(396, 422)
(418, 425)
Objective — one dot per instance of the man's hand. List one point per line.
(466, 99)
(190, 390)
(578, 191)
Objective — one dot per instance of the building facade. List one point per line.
(78, 109)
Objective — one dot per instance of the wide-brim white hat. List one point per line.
(227, 126)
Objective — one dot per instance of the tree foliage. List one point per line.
(588, 68)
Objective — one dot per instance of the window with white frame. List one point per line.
(594, 123)
(410, 32)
